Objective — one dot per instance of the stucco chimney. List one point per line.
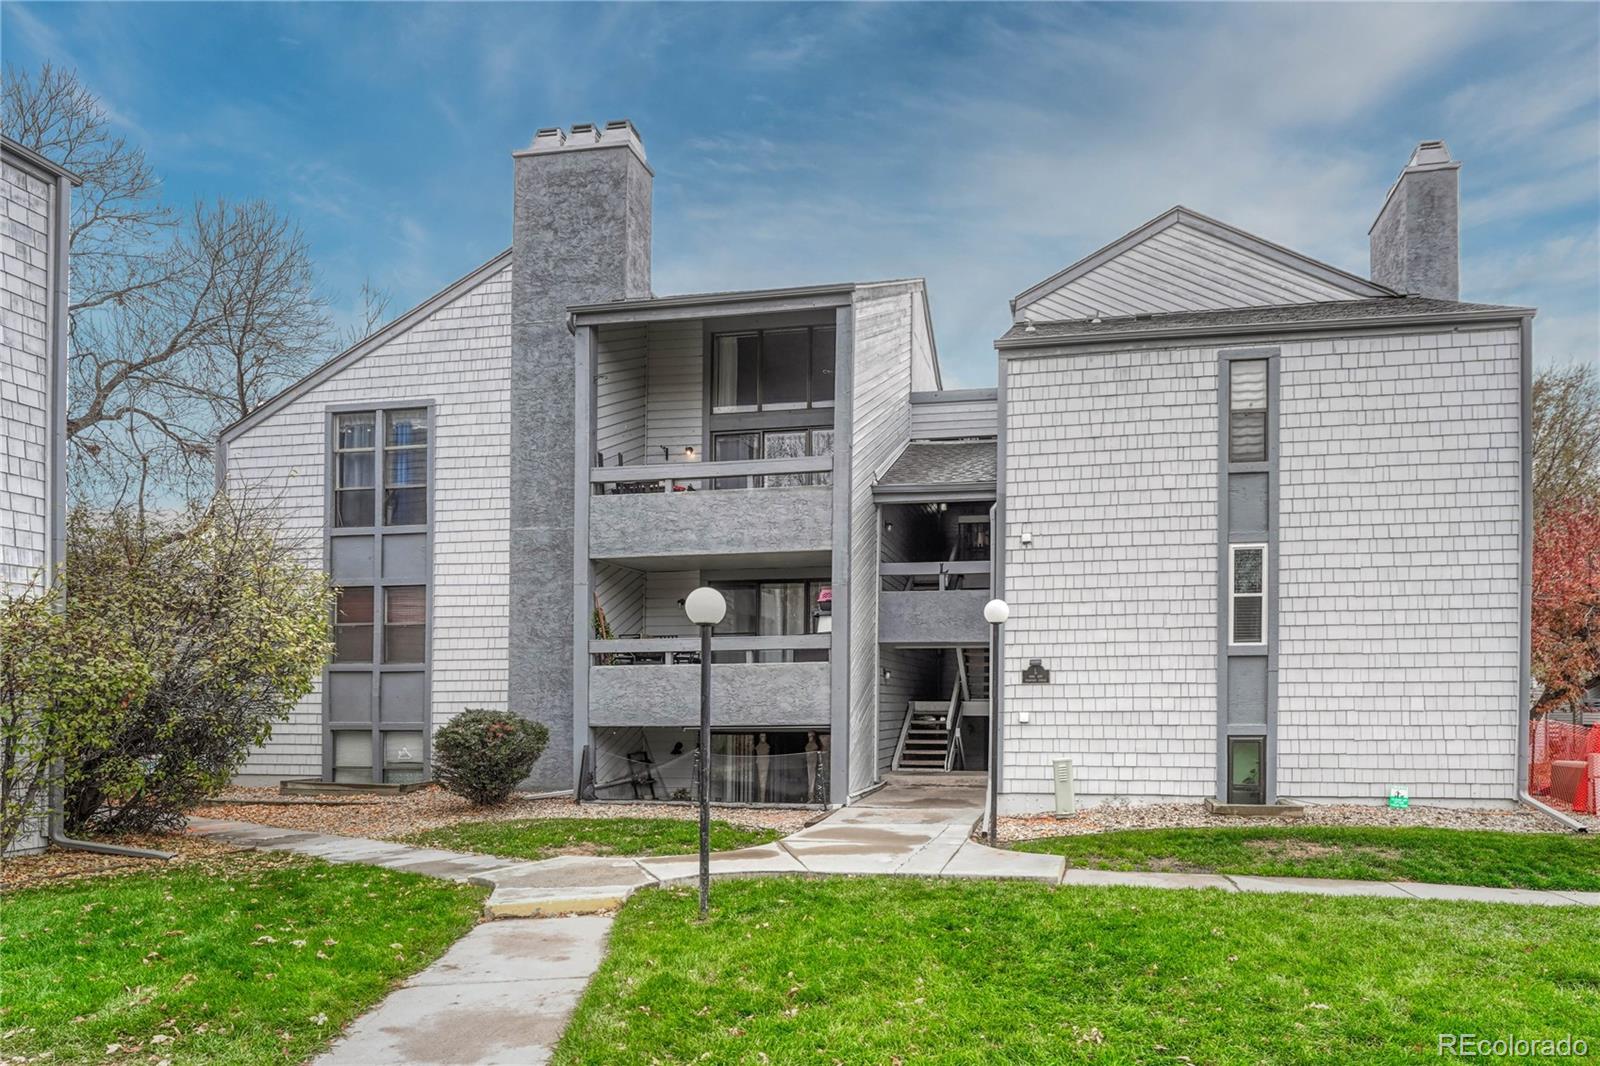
(1416, 240)
(580, 234)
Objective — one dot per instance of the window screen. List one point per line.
(352, 625)
(1248, 584)
(405, 618)
(1247, 411)
(785, 360)
(352, 756)
(353, 469)
(405, 469)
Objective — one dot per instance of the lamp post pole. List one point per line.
(705, 769)
(995, 612)
(705, 608)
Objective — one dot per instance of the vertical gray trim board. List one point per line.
(997, 577)
(582, 565)
(843, 484)
(1525, 578)
(1226, 536)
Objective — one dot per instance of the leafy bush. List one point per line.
(482, 755)
(233, 627)
(64, 678)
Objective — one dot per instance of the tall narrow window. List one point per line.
(353, 468)
(822, 358)
(1247, 580)
(405, 617)
(1246, 772)
(405, 468)
(1247, 411)
(352, 625)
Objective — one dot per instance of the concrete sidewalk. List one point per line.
(501, 996)
(504, 993)
(906, 829)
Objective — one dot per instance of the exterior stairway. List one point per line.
(925, 745)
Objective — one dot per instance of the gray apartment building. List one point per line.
(33, 374)
(1261, 522)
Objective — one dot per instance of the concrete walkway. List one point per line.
(503, 993)
(908, 828)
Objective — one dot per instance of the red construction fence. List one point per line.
(1564, 764)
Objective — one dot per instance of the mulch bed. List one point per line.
(1110, 817)
(58, 865)
(387, 817)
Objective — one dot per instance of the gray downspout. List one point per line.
(1525, 605)
(57, 835)
(61, 241)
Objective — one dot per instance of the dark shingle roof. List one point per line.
(1286, 315)
(943, 463)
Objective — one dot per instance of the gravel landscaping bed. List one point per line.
(1108, 817)
(387, 817)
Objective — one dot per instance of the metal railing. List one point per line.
(915, 577)
(729, 474)
(685, 651)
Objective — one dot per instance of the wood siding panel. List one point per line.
(1181, 268)
(953, 421)
(676, 372)
(881, 363)
(619, 421)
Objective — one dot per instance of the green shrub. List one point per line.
(482, 755)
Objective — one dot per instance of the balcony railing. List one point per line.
(685, 651)
(935, 576)
(690, 476)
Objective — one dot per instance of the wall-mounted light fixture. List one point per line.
(1026, 538)
(888, 675)
(688, 453)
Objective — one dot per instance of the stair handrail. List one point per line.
(905, 731)
(952, 724)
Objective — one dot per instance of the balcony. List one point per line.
(655, 515)
(645, 682)
(926, 605)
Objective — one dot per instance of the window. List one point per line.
(1247, 758)
(402, 757)
(1247, 411)
(353, 469)
(772, 609)
(774, 369)
(352, 756)
(773, 444)
(352, 625)
(405, 468)
(1247, 580)
(405, 616)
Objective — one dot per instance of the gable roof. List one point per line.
(1184, 261)
(405, 322)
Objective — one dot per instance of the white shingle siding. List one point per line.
(1398, 569)
(1111, 465)
(459, 357)
(1399, 562)
(24, 377)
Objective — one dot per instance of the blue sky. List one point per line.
(982, 147)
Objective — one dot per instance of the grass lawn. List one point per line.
(540, 838)
(1446, 856)
(878, 970)
(246, 959)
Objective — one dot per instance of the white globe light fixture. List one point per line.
(705, 607)
(995, 612)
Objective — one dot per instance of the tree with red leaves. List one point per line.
(1566, 602)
